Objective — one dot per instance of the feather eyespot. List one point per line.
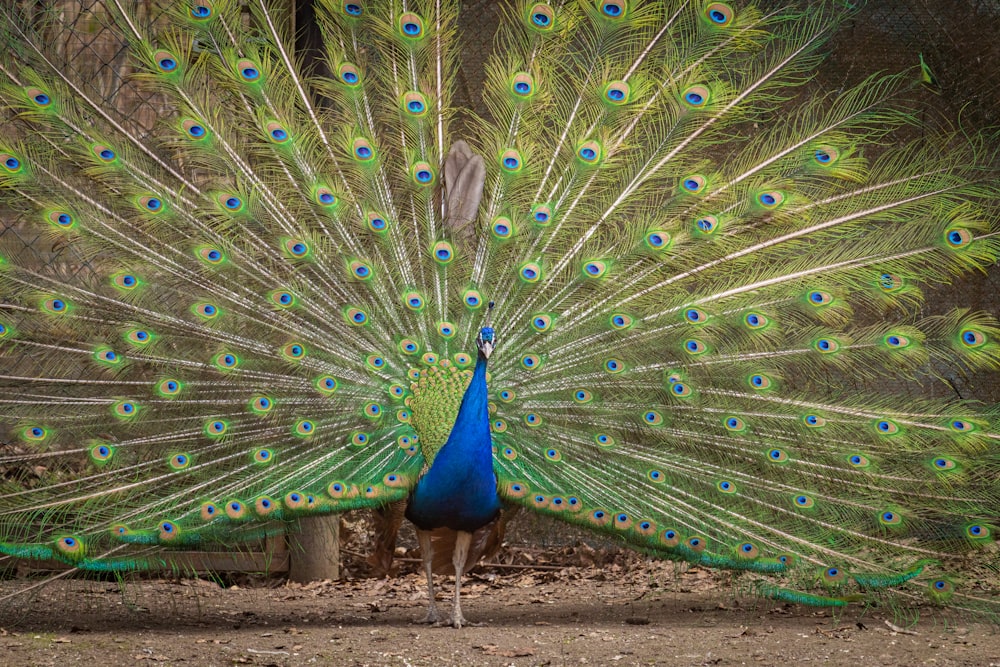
(886, 427)
(125, 409)
(261, 405)
(734, 424)
(356, 316)
(215, 428)
(377, 223)
(201, 11)
(825, 156)
(414, 104)
(210, 255)
(541, 17)
(276, 133)
(502, 228)
(696, 97)
(695, 316)
(696, 543)
(206, 311)
(706, 225)
(541, 322)
(11, 163)
(826, 345)
(814, 421)
(895, 342)
(777, 455)
(443, 252)
(719, 14)
(248, 71)
(530, 272)
(595, 269)
(326, 384)
(614, 366)
(858, 461)
(411, 26)
(103, 153)
(362, 150)
(604, 440)
(612, 9)
(657, 240)
(695, 347)
(958, 238)
(621, 321)
(151, 204)
(770, 200)
(541, 214)
(226, 360)
(169, 387)
(38, 97)
(617, 93)
(235, 510)
(833, 576)
(61, 219)
(670, 538)
(694, 184)
(413, 301)
(590, 152)
(890, 518)
(293, 351)
(819, 298)
(349, 75)
(652, 418)
(510, 161)
(166, 62)
(422, 174)
(472, 299)
(522, 84)
(533, 419)
(296, 248)
(972, 338)
(977, 531)
(101, 453)
(108, 356)
(34, 433)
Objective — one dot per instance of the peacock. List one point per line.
(662, 291)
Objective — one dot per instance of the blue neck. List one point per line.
(459, 491)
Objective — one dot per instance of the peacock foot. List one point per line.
(432, 617)
(458, 621)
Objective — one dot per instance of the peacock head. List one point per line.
(486, 341)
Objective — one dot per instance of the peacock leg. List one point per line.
(427, 553)
(462, 542)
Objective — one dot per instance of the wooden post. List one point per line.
(315, 549)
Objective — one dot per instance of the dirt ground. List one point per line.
(631, 612)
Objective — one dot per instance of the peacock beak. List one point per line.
(486, 347)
